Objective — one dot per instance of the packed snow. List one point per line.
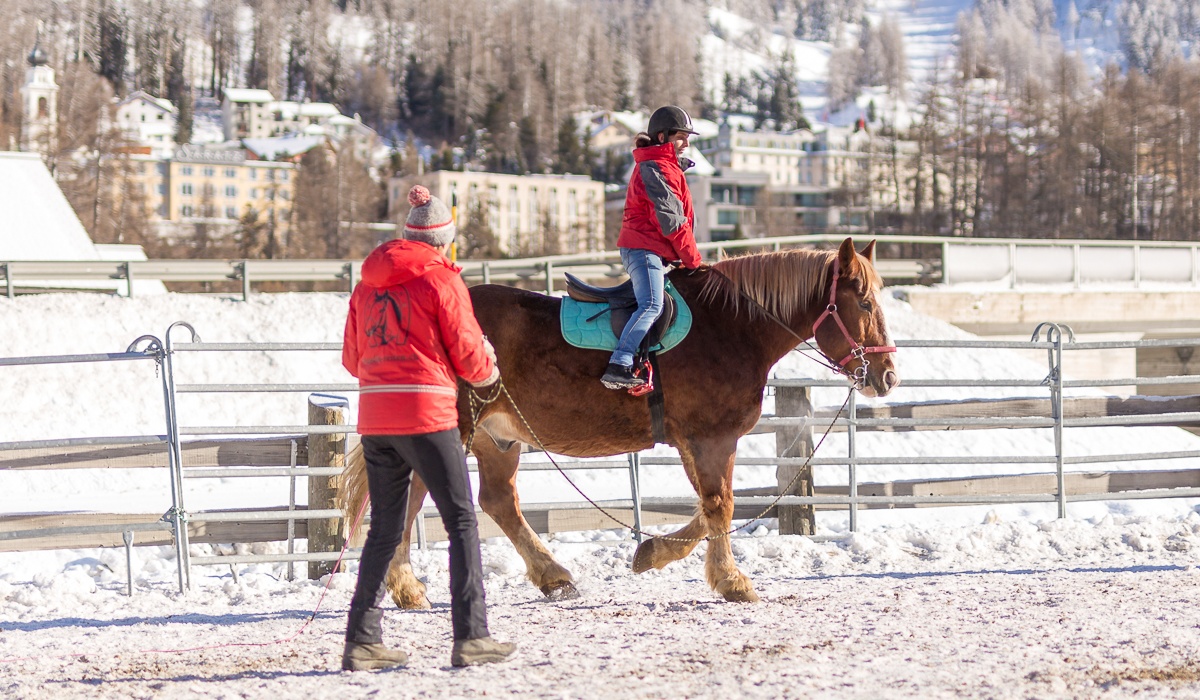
(1001, 602)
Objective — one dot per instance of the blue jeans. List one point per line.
(647, 271)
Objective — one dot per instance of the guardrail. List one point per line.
(794, 424)
(1007, 262)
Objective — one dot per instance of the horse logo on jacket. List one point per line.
(387, 319)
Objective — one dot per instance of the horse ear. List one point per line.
(848, 258)
(869, 252)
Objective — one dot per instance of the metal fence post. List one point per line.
(422, 537)
(177, 515)
(635, 490)
(291, 523)
(1056, 406)
(127, 537)
(127, 273)
(549, 278)
(945, 262)
(8, 280)
(1012, 265)
(487, 273)
(240, 272)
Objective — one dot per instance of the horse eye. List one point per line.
(864, 305)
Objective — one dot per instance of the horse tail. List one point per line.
(353, 494)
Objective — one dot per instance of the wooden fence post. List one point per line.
(325, 450)
(795, 442)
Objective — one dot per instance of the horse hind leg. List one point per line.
(498, 498)
(401, 582)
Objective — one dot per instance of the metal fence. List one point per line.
(1056, 341)
(1011, 262)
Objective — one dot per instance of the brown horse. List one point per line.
(748, 312)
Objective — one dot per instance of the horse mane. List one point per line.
(781, 282)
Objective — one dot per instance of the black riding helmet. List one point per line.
(669, 119)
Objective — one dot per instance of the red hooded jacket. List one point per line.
(658, 207)
(410, 333)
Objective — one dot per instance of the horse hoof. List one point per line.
(740, 595)
(560, 591)
(643, 558)
(411, 602)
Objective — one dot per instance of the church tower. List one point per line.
(39, 98)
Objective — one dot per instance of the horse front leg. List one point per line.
(401, 582)
(712, 466)
(498, 498)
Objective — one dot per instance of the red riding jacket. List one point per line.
(658, 207)
(410, 333)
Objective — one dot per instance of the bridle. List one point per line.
(856, 350)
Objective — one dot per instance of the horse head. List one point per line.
(851, 330)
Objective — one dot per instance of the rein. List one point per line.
(859, 377)
(478, 403)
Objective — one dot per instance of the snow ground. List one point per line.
(961, 602)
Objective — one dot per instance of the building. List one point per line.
(39, 104)
(247, 113)
(786, 183)
(213, 186)
(150, 121)
(39, 224)
(217, 185)
(527, 214)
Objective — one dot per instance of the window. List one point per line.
(231, 212)
(727, 217)
(185, 188)
(253, 193)
(283, 175)
(253, 174)
(209, 172)
(185, 170)
(284, 194)
(230, 172)
(186, 210)
(162, 189)
(270, 194)
(161, 168)
(230, 191)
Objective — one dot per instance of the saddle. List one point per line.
(621, 303)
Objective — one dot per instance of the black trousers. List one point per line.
(439, 460)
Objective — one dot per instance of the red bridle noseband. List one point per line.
(856, 350)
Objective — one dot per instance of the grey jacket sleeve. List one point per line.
(667, 207)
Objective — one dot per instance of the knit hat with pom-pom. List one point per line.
(429, 221)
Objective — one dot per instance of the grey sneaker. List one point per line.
(371, 657)
(485, 650)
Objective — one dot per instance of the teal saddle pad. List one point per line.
(597, 334)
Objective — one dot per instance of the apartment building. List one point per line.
(526, 213)
(217, 185)
(148, 120)
(776, 183)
